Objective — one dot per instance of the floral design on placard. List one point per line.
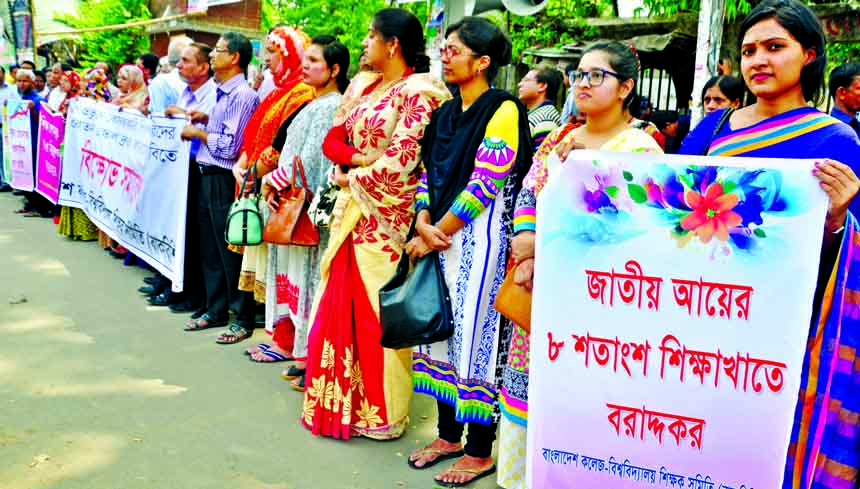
(730, 209)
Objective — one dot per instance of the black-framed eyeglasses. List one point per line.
(595, 77)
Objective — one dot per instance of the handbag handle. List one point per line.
(297, 162)
(403, 266)
(245, 179)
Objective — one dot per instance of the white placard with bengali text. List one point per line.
(672, 303)
(129, 173)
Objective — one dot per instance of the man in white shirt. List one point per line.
(56, 97)
(41, 83)
(165, 89)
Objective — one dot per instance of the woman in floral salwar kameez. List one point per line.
(354, 386)
(476, 152)
(783, 60)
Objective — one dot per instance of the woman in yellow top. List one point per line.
(476, 151)
(354, 386)
(605, 86)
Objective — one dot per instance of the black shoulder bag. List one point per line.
(414, 306)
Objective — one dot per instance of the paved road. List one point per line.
(100, 391)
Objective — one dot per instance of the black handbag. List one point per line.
(414, 306)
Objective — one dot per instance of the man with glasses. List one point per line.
(538, 91)
(220, 144)
(569, 111)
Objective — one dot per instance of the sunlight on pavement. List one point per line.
(48, 326)
(122, 385)
(61, 456)
(49, 266)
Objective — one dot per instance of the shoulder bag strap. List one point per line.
(719, 127)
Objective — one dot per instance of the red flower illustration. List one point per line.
(350, 120)
(388, 183)
(712, 213)
(405, 150)
(364, 230)
(372, 131)
(412, 111)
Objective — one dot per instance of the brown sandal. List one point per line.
(479, 474)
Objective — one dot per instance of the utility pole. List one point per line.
(708, 41)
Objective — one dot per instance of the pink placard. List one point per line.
(49, 159)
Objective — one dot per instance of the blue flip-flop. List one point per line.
(261, 346)
(275, 357)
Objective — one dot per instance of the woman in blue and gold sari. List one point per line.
(783, 62)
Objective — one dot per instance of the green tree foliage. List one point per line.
(115, 47)
(552, 26)
(347, 20)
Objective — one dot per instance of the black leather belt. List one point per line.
(213, 170)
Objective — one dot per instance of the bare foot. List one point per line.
(257, 349)
(271, 355)
(466, 470)
(427, 456)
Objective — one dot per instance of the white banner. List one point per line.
(673, 298)
(130, 175)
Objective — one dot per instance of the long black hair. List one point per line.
(335, 53)
(402, 24)
(804, 26)
(484, 38)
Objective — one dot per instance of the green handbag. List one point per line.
(244, 221)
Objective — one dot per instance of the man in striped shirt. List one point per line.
(538, 91)
(220, 144)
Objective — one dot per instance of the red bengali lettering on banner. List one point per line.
(699, 293)
(632, 422)
(743, 372)
(629, 286)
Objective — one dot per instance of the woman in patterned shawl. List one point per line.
(285, 47)
(97, 85)
(354, 386)
(293, 271)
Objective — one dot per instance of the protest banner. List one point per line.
(17, 122)
(129, 173)
(7, 157)
(672, 303)
(48, 156)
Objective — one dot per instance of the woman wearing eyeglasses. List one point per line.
(604, 86)
(476, 151)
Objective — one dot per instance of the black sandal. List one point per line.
(298, 386)
(293, 373)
